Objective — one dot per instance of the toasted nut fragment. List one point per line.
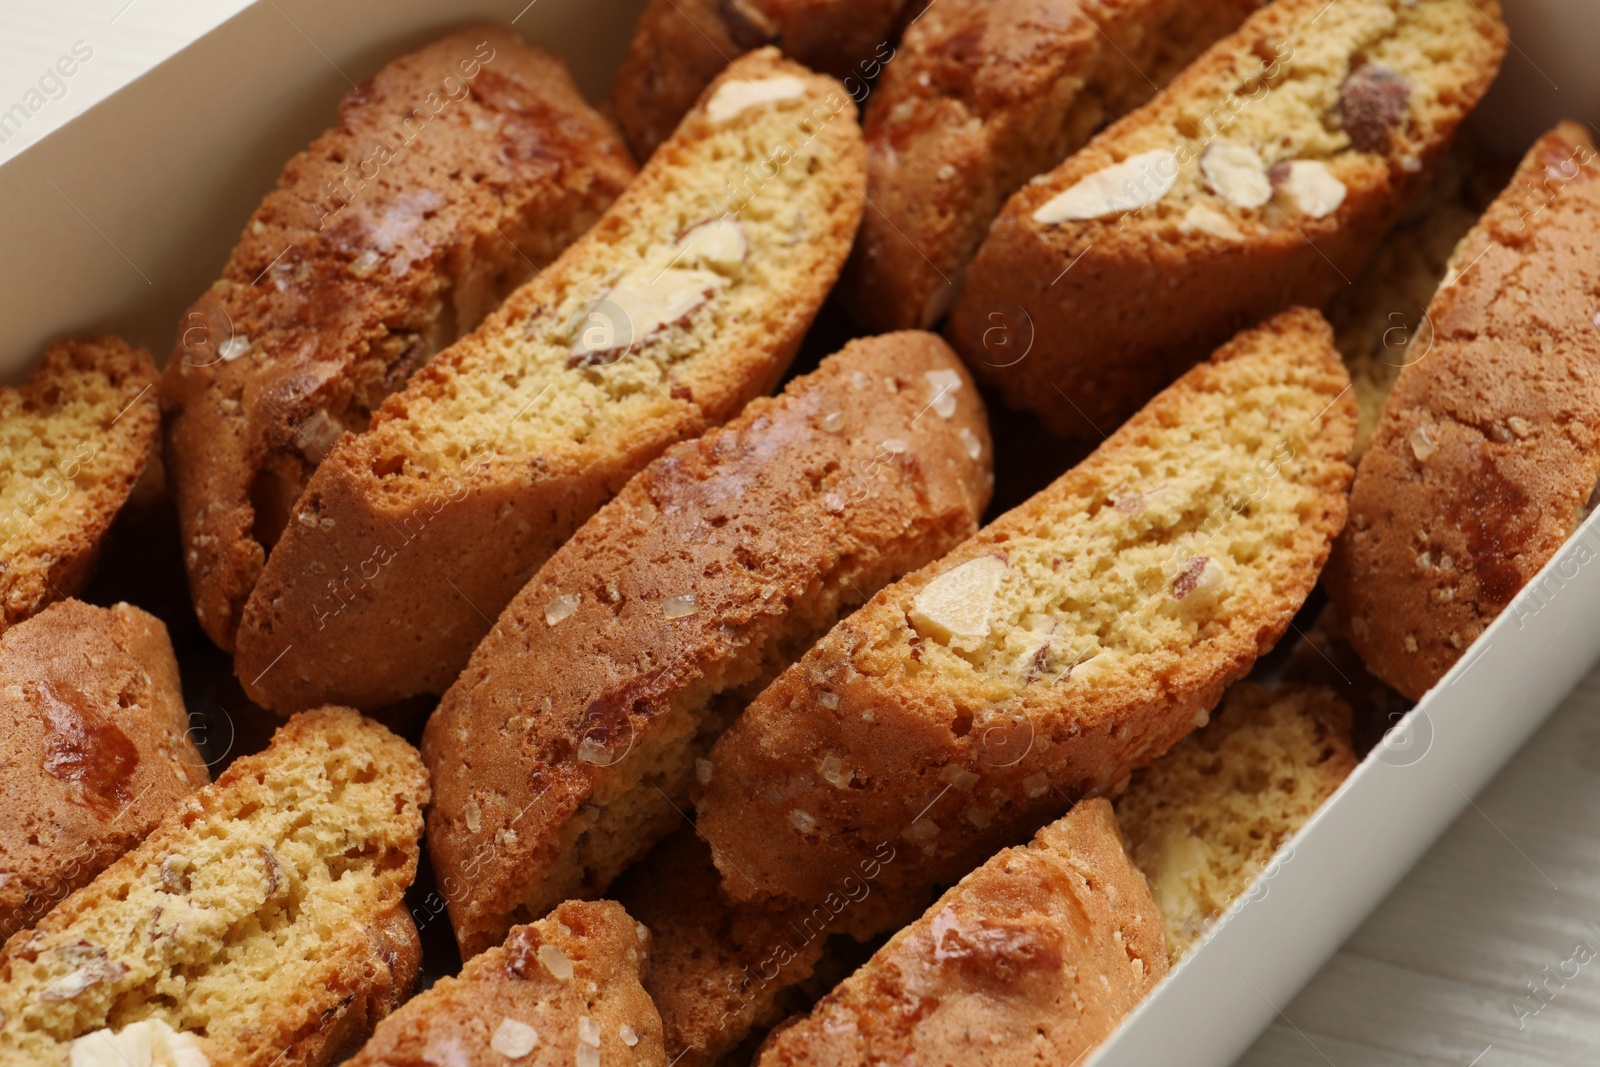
(970, 442)
(1136, 182)
(1311, 187)
(1423, 446)
(1202, 219)
(741, 94)
(942, 386)
(561, 608)
(175, 874)
(1236, 173)
(1373, 102)
(1200, 582)
(273, 871)
(642, 304)
(146, 1043)
(555, 961)
(716, 243)
(513, 1039)
(955, 607)
(98, 969)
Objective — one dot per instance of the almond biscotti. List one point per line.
(679, 46)
(261, 923)
(563, 990)
(73, 440)
(97, 749)
(981, 96)
(1070, 641)
(565, 749)
(684, 302)
(720, 972)
(1033, 958)
(451, 177)
(1489, 447)
(1264, 176)
(1206, 819)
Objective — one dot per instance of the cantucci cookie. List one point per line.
(1488, 450)
(261, 923)
(981, 96)
(1070, 641)
(1205, 820)
(1264, 176)
(97, 749)
(685, 301)
(561, 991)
(1377, 319)
(451, 177)
(1033, 958)
(565, 749)
(73, 440)
(679, 46)
(720, 972)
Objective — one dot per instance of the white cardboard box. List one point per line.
(117, 220)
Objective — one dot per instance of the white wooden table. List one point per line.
(1487, 955)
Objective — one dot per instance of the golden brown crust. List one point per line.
(1489, 447)
(95, 755)
(386, 979)
(413, 536)
(1376, 320)
(1033, 958)
(719, 971)
(644, 634)
(463, 1021)
(1124, 598)
(980, 97)
(1109, 309)
(265, 913)
(451, 176)
(76, 436)
(680, 46)
(1206, 819)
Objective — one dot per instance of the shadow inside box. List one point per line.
(426, 903)
(1026, 457)
(1313, 652)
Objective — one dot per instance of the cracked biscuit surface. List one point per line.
(980, 97)
(451, 176)
(261, 923)
(680, 46)
(1487, 453)
(566, 748)
(1263, 177)
(1032, 959)
(97, 749)
(561, 991)
(684, 302)
(1070, 641)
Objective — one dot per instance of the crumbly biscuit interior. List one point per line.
(236, 910)
(1283, 101)
(49, 433)
(1111, 573)
(638, 300)
(1205, 820)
